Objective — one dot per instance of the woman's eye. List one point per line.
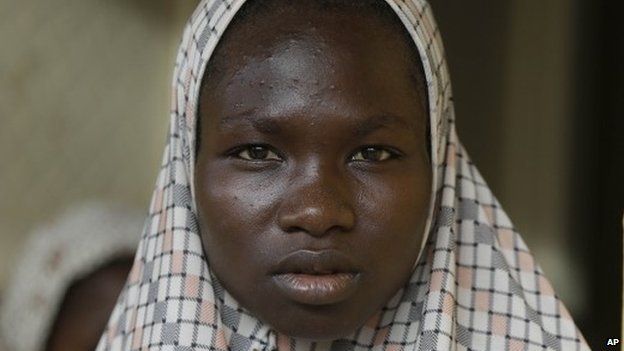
(373, 154)
(257, 153)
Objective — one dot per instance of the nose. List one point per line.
(317, 203)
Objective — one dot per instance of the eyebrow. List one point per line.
(263, 125)
(376, 122)
(272, 126)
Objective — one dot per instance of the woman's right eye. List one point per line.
(257, 153)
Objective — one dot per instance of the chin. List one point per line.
(318, 324)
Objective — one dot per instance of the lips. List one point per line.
(316, 277)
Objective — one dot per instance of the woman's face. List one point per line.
(312, 177)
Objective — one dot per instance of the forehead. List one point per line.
(364, 35)
(296, 58)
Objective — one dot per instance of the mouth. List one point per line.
(317, 289)
(316, 277)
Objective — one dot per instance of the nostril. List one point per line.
(294, 229)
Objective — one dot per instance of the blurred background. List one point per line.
(84, 101)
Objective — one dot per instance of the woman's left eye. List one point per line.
(373, 154)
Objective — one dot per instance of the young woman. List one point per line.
(314, 196)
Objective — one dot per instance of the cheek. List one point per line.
(401, 199)
(231, 198)
(236, 213)
(396, 210)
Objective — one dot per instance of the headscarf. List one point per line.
(475, 287)
(84, 238)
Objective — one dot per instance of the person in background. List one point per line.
(67, 278)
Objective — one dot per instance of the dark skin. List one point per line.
(313, 138)
(86, 308)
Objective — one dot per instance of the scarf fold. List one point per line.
(476, 286)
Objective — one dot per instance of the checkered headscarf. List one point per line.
(475, 287)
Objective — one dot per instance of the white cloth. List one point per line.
(84, 238)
